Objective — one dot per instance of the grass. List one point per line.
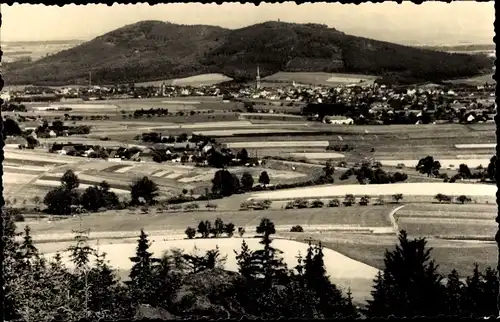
(450, 227)
(458, 211)
(370, 249)
(117, 221)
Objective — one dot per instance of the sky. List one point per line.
(431, 23)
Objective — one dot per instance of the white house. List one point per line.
(338, 120)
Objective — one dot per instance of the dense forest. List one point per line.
(154, 50)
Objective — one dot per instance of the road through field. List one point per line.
(393, 220)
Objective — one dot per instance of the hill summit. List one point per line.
(155, 50)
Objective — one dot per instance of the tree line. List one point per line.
(41, 289)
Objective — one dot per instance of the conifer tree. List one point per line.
(103, 288)
(141, 274)
(244, 260)
(490, 291)
(411, 284)
(454, 294)
(474, 292)
(378, 305)
(267, 261)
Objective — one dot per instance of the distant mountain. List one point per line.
(154, 50)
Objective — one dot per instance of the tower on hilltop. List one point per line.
(258, 78)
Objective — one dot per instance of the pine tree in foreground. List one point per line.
(141, 281)
(410, 284)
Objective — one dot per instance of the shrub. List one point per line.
(349, 200)
(289, 205)
(364, 201)
(297, 229)
(18, 217)
(380, 201)
(245, 205)
(334, 203)
(190, 232)
(317, 204)
(241, 231)
(301, 203)
(463, 199)
(175, 207)
(229, 229)
(397, 197)
(442, 198)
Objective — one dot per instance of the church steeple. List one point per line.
(258, 77)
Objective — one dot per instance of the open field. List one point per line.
(198, 80)
(476, 146)
(277, 144)
(418, 189)
(452, 163)
(320, 156)
(323, 219)
(317, 78)
(478, 80)
(370, 249)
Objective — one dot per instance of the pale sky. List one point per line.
(431, 23)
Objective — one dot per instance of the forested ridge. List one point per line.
(154, 50)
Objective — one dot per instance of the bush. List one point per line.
(241, 231)
(297, 229)
(463, 199)
(334, 203)
(301, 203)
(349, 200)
(364, 201)
(397, 197)
(289, 205)
(190, 232)
(317, 204)
(380, 201)
(18, 217)
(442, 198)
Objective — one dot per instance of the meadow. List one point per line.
(407, 189)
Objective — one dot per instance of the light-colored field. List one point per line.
(322, 155)
(445, 163)
(317, 78)
(201, 80)
(350, 78)
(54, 183)
(343, 271)
(78, 106)
(276, 144)
(197, 80)
(42, 157)
(476, 146)
(124, 169)
(16, 178)
(418, 189)
(242, 131)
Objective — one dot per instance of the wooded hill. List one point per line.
(154, 50)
